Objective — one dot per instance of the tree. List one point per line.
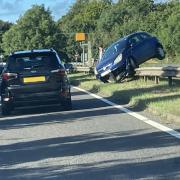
(4, 26)
(106, 22)
(83, 16)
(169, 29)
(34, 30)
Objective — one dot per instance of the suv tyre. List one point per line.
(5, 108)
(67, 104)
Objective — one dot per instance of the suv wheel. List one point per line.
(160, 53)
(5, 108)
(67, 104)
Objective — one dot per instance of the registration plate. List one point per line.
(34, 79)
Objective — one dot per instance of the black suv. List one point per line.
(35, 77)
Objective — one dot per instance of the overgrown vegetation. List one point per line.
(4, 26)
(35, 30)
(103, 20)
(137, 94)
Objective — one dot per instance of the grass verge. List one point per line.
(138, 95)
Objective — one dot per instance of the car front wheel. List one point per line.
(120, 77)
(160, 53)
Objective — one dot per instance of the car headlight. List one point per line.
(118, 59)
(95, 71)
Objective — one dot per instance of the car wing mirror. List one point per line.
(132, 44)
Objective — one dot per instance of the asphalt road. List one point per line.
(94, 141)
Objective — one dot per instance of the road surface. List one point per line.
(94, 141)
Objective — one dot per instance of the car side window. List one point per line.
(145, 36)
(134, 40)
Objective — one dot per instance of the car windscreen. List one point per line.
(114, 49)
(34, 61)
(68, 66)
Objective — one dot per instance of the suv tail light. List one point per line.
(60, 72)
(7, 76)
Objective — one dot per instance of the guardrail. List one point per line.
(84, 69)
(77, 64)
(168, 72)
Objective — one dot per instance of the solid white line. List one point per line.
(134, 114)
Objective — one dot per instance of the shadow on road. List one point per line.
(77, 156)
(87, 144)
(59, 117)
(83, 107)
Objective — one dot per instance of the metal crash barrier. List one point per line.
(169, 72)
(87, 70)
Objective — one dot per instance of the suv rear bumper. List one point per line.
(38, 98)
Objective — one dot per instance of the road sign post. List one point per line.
(81, 37)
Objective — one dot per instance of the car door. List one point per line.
(140, 49)
(148, 46)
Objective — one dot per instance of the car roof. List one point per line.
(130, 35)
(135, 33)
(33, 51)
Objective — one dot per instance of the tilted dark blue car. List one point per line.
(123, 56)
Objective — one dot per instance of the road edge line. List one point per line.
(159, 126)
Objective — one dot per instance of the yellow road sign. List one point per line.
(80, 37)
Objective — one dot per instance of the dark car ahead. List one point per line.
(123, 56)
(35, 77)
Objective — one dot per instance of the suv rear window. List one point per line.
(37, 61)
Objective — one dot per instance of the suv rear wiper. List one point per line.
(36, 66)
(32, 67)
(27, 68)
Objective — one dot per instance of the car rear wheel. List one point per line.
(160, 53)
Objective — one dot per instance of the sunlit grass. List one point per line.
(136, 94)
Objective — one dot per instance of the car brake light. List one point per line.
(60, 72)
(7, 76)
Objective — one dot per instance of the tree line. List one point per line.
(102, 20)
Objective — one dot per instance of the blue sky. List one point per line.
(11, 10)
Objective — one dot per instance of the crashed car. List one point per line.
(122, 57)
(69, 67)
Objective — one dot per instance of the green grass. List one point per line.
(137, 94)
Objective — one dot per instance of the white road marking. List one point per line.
(134, 114)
